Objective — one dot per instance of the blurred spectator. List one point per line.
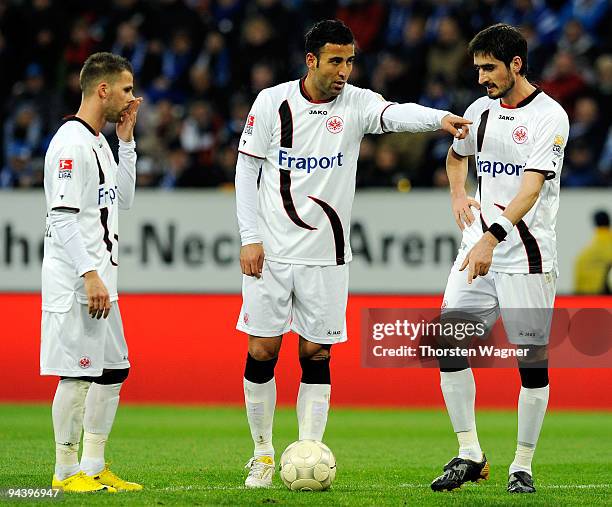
(532, 12)
(198, 134)
(130, 45)
(365, 18)
(579, 166)
(538, 53)
(587, 125)
(605, 161)
(24, 129)
(448, 52)
(159, 128)
(603, 86)
(81, 43)
(563, 81)
(594, 262)
(590, 13)
(391, 78)
(577, 42)
(19, 171)
(177, 170)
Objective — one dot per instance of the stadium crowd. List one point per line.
(200, 63)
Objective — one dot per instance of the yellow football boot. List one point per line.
(109, 479)
(81, 483)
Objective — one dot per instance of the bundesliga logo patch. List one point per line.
(250, 123)
(558, 146)
(65, 168)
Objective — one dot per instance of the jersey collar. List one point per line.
(308, 97)
(82, 122)
(523, 102)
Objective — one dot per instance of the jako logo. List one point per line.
(495, 168)
(308, 163)
(316, 111)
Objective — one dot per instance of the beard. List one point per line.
(500, 93)
(113, 117)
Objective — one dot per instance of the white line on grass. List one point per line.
(348, 487)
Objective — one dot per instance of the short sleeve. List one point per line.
(257, 133)
(372, 105)
(466, 147)
(66, 167)
(549, 142)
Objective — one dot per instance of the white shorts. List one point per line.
(310, 300)
(523, 300)
(75, 345)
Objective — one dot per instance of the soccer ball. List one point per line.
(307, 465)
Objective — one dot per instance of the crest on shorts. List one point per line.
(519, 134)
(245, 317)
(335, 124)
(84, 362)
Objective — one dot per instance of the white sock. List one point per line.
(312, 410)
(100, 410)
(66, 460)
(459, 391)
(531, 410)
(67, 414)
(260, 401)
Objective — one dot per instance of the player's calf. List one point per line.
(314, 393)
(260, 401)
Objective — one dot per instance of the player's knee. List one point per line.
(109, 376)
(259, 371)
(315, 369)
(534, 375)
(263, 353)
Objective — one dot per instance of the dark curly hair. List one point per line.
(502, 42)
(332, 31)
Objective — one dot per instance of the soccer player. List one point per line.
(82, 338)
(509, 247)
(299, 147)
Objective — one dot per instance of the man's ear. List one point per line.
(103, 90)
(517, 64)
(311, 60)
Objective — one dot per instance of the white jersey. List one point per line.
(80, 175)
(506, 142)
(309, 151)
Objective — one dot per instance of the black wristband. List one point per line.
(498, 231)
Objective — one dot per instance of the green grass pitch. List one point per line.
(194, 456)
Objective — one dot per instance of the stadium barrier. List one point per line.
(184, 349)
(187, 241)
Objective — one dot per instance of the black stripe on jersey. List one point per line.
(336, 228)
(107, 241)
(481, 129)
(65, 208)
(285, 190)
(548, 175)
(286, 120)
(100, 172)
(82, 122)
(382, 125)
(534, 256)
